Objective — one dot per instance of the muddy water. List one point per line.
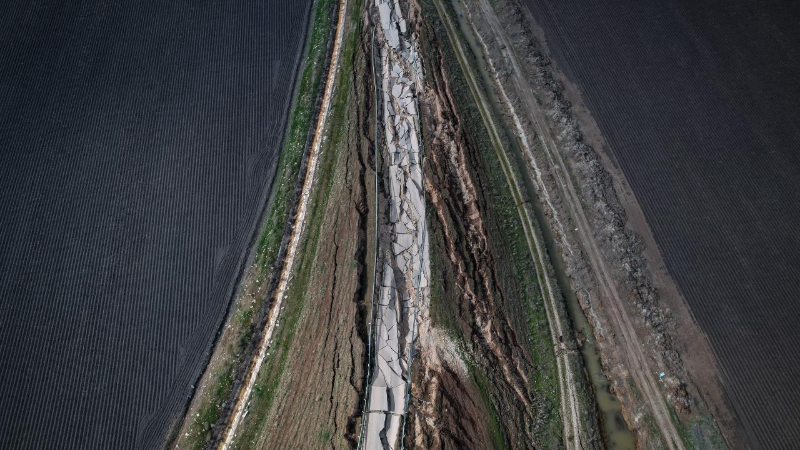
(615, 432)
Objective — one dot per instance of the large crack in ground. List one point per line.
(456, 200)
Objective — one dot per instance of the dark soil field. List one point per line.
(138, 143)
(698, 104)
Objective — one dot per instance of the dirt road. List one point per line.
(570, 405)
(240, 405)
(637, 362)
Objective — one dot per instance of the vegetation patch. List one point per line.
(495, 427)
(700, 433)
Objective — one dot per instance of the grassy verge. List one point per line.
(498, 436)
(507, 230)
(274, 370)
(260, 273)
(302, 117)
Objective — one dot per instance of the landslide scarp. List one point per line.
(488, 377)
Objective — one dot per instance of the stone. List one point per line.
(384, 12)
(411, 108)
(397, 90)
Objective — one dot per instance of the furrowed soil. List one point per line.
(309, 389)
(487, 374)
(695, 112)
(139, 145)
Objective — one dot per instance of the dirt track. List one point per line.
(570, 408)
(637, 361)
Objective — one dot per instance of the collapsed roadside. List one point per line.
(405, 268)
(497, 343)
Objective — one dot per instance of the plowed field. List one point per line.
(138, 143)
(697, 101)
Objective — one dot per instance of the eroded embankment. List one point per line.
(517, 149)
(488, 375)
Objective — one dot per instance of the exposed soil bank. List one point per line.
(496, 359)
(615, 432)
(603, 255)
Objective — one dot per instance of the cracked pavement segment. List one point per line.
(404, 289)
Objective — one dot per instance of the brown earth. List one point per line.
(478, 305)
(318, 400)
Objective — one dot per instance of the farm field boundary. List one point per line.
(249, 309)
